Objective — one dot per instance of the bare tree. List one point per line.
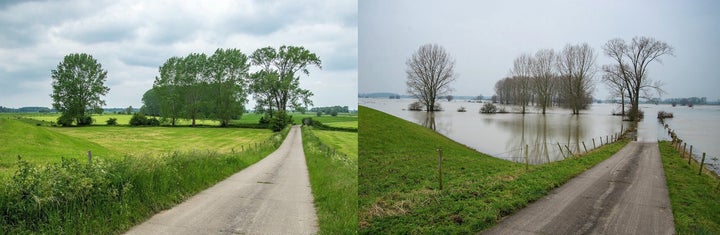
(544, 72)
(522, 71)
(632, 62)
(576, 65)
(615, 81)
(430, 70)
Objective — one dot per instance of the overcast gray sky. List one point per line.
(485, 36)
(131, 39)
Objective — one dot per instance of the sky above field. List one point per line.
(131, 39)
(485, 36)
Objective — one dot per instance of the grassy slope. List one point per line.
(398, 189)
(39, 144)
(695, 198)
(334, 182)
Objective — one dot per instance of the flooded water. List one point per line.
(698, 126)
(506, 135)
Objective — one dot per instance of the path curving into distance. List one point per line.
(625, 194)
(273, 196)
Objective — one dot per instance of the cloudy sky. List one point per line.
(131, 39)
(485, 36)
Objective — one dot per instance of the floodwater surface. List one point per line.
(506, 135)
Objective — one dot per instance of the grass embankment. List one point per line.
(109, 196)
(333, 179)
(398, 180)
(695, 199)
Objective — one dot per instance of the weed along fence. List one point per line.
(692, 153)
(327, 150)
(545, 152)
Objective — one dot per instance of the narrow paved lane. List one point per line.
(625, 194)
(270, 197)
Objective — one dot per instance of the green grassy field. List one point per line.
(40, 144)
(333, 179)
(154, 141)
(344, 142)
(695, 199)
(398, 180)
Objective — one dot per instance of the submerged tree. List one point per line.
(430, 70)
(544, 77)
(632, 61)
(78, 84)
(576, 66)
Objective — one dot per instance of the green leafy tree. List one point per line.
(276, 85)
(193, 85)
(168, 90)
(151, 103)
(227, 71)
(78, 84)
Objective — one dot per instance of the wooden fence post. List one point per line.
(569, 151)
(527, 166)
(561, 151)
(440, 167)
(601, 144)
(701, 163)
(584, 147)
(684, 150)
(89, 156)
(594, 143)
(690, 157)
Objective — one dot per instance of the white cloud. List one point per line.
(133, 38)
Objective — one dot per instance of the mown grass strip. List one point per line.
(695, 199)
(334, 185)
(110, 196)
(398, 180)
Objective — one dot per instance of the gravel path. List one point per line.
(625, 194)
(273, 196)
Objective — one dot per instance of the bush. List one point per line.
(333, 113)
(65, 120)
(139, 119)
(280, 120)
(85, 121)
(488, 108)
(415, 106)
(318, 113)
(111, 122)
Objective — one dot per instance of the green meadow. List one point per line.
(399, 191)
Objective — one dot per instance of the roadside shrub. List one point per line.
(111, 122)
(488, 108)
(280, 120)
(85, 121)
(65, 120)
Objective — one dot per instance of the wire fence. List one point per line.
(691, 152)
(545, 152)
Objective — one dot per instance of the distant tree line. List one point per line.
(332, 110)
(25, 110)
(548, 79)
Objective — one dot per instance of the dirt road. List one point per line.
(270, 197)
(625, 194)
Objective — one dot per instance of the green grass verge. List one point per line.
(695, 199)
(334, 184)
(110, 196)
(398, 180)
